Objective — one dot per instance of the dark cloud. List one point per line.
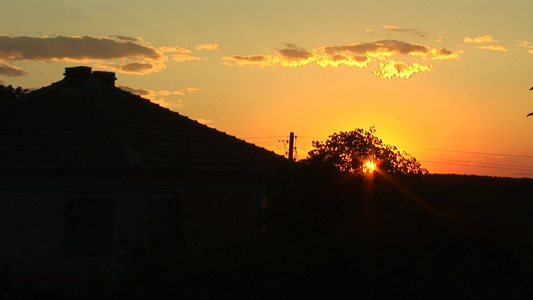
(140, 92)
(294, 52)
(385, 47)
(117, 52)
(71, 48)
(294, 56)
(251, 58)
(354, 55)
(11, 71)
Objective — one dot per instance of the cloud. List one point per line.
(180, 54)
(11, 71)
(184, 57)
(294, 56)
(169, 99)
(363, 53)
(175, 49)
(338, 59)
(134, 68)
(140, 92)
(209, 47)
(250, 60)
(75, 48)
(479, 39)
(526, 44)
(379, 49)
(120, 53)
(186, 91)
(413, 31)
(397, 69)
(443, 53)
(352, 55)
(127, 38)
(164, 93)
(492, 47)
(153, 94)
(484, 40)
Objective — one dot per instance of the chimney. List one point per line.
(107, 78)
(77, 76)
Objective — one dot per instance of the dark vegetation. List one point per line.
(405, 237)
(347, 236)
(349, 151)
(10, 93)
(333, 233)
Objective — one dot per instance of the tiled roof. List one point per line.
(84, 122)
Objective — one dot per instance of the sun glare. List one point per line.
(369, 167)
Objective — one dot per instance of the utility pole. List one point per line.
(291, 146)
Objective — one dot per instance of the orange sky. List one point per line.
(448, 81)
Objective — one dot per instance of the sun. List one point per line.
(369, 167)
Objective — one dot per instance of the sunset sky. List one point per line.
(446, 81)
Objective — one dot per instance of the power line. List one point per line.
(419, 148)
(473, 163)
(469, 152)
(290, 142)
(266, 142)
(477, 166)
(263, 137)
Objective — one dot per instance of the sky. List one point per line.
(446, 81)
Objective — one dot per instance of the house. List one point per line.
(84, 164)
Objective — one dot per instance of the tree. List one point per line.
(9, 92)
(355, 150)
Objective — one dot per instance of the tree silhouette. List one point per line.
(350, 151)
(9, 92)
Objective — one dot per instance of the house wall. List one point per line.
(32, 218)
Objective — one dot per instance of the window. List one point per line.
(88, 223)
